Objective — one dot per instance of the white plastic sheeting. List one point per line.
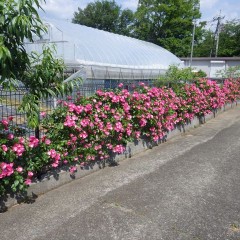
(105, 55)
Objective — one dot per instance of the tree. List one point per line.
(176, 77)
(174, 74)
(125, 23)
(41, 74)
(43, 78)
(168, 23)
(229, 41)
(19, 20)
(204, 46)
(105, 15)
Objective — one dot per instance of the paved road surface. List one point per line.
(187, 188)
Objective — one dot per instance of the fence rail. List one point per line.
(10, 100)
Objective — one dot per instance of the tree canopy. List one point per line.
(43, 78)
(105, 15)
(168, 23)
(174, 74)
(204, 46)
(41, 74)
(19, 20)
(229, 41)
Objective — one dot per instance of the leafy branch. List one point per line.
(43, 79)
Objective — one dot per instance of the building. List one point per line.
(211, 66)
(100, 55)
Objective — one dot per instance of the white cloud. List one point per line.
(62, 9)
(230, 11)
(131, 4)
(208, 4)
(229, 8)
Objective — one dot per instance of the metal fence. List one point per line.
(11, 100)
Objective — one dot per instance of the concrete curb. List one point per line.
(57, 177)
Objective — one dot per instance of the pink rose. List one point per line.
(5, 122)
(33, 142)
(10, 136)
(19, 169)
(18, 148)
(28, 181)
(43, 114)
(73, 169)
(55, 164)
(4, 148)
(47, 142)
(10, 118)
(30, 174)
(21, 140)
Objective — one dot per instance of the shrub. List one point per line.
(95, 128)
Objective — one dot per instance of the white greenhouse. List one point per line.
(99, 55)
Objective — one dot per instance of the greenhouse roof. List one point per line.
(88, 46)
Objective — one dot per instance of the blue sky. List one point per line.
(64, 9)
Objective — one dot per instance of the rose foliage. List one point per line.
(95, 128)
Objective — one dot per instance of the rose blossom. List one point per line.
(73, 169)
(28, 181)
(30, 174)
(10, 136)
(4, 148)
(19, 169)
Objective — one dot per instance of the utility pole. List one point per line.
(195, 7)
(193, 39)
(216, 34)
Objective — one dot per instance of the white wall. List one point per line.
(211, 66)
(215, 67)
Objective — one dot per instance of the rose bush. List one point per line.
(95, 128)
(20, 158)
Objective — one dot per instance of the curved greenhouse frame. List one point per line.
(102, 55)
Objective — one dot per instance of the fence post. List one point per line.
(37, 129)
(54, 102)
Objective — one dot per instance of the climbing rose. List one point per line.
(19, 169)
(28, 181)
(4, 148)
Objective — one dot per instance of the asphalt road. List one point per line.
(187, 188)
